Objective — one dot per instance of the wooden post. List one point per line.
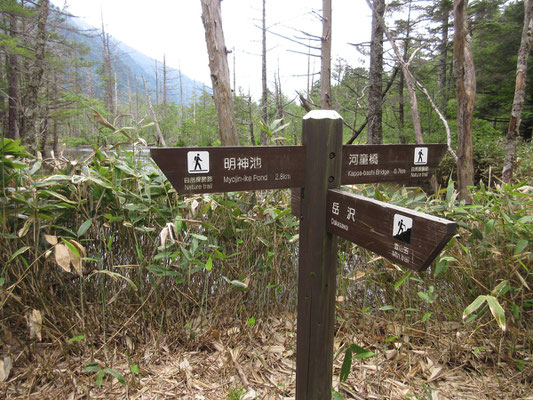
(322, 138)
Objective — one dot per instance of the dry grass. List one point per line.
(259, 362)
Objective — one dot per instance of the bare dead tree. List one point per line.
(160, 137)
(218, 65)
(28, 129)
(325, 70)
(518, 101)
(107, 67)
(375, 133)
(465, 88)
(264, 94)
(13, 83)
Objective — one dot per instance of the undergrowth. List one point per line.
(105, 250)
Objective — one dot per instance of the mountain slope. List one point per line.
(131, 66)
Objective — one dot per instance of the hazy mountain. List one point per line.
(131, 66)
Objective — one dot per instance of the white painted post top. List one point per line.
(322, 114)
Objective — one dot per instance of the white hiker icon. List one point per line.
(198, 162)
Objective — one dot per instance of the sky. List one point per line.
(174, 28)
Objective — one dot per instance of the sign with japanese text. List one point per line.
(405, 237)
(390, 162)
(230, 169)
(315, 170)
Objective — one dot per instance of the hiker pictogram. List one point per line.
(402, 226)
(197, 165)
(198, 162)
(318, 171)
(421, 156)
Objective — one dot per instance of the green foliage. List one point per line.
(360, 353)
(102, 372)
(236, 394)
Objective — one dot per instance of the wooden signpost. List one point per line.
(319, 167)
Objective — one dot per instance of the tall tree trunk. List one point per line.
(160, 137)
(513, 134)
(13, 84)
(251, 119)
(156, 83)
(165, 83)
(465, 88)
(218, 65)
(115, 87)
(325, 70)
(443, 57)
(108, 71)
(30, 130)
(181, 98)
(401, 82)
(264, 96)
(409, 80)
(375, 133)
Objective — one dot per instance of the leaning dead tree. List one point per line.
(412, 84)
(160, 137)
(518, 101)
(220, 78)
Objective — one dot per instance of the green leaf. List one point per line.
(387, 308)
(424, 297)
(526, 220)
(426, 316)
(159, 270)
(521, 246)
(71, 247)
(478, 302)
(116, 374)
(402, 280)
(135, 369)
(76, 338)
(92, 367)
(497, 311)
(18, 253)
(84, 227)
(346, 365)
(361, 353)
(336, 395)
(489, 226)
(251, 321)
(209, 264)
(199, 237)
(501, 289)
(100, 377)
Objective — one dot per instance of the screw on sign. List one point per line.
(318, 168)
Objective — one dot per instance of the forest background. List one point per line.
(103, 260)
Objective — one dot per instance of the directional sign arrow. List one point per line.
(230, 169)
(406, 237)
(389, 162)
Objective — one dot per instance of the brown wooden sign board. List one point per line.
(320, 166)
(390, 162)
(378, 163)
(231, 169)
(409, 238)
